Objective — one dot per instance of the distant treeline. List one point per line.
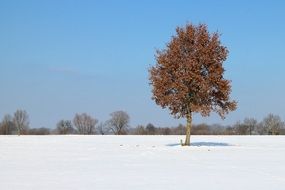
(118, 124)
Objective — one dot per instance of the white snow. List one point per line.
(142, 162)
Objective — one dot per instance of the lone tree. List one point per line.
(188, 75)
(21, 121)
(119, 122)
(85, 124)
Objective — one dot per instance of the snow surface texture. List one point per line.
(142, 162)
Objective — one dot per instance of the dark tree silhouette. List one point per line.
(150, 128)
(64, 127)
(7, 126)
(188, 75)
(101, 128)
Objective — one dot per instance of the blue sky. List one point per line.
(62, 57)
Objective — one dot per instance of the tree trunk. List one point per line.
(188, 130)
(19, 131)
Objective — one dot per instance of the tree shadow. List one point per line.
(198, 144)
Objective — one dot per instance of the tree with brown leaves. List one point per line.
(188, 75)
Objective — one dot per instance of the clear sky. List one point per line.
(62, 57)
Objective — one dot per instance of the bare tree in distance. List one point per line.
(240, 128)
(101, 128)
(273, 124)
(64, 127)
(251, 124)
(85, 124)
(119, 122)
(7, 125)
(21, 121)
(140, 130)
(189, 76)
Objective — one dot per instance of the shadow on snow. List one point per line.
(203, 144)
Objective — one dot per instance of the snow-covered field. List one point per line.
(142, 162)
